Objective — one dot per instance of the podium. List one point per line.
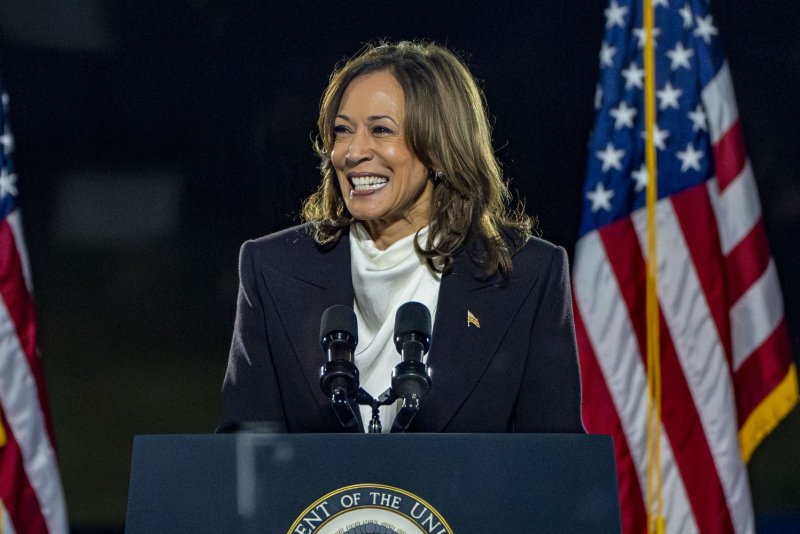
(367, 483)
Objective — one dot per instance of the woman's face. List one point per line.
(382, 181)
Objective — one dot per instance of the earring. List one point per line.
(438, 176)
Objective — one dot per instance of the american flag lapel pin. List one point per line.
(472, 320)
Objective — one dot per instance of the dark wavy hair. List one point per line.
(447, 128)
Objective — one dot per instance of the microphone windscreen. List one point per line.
(412, 317)
(338, 318)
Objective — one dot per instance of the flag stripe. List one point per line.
(26, 426)
(729, 155)
(16, 492)
(680, 416)
(22, 392)
(693, 210)
(770, 371)
(747, 262)
(601, 417)
(20, 311)
(15, 294)
(756, 315)
(6, 526)
(720, 103)
(610, 331)
(737, 209)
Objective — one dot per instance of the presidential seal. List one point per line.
(370, 509)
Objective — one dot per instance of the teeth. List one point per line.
(366, 183)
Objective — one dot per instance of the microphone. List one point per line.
(411, 379)
(338, 332)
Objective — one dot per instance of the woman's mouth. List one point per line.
(363, 184)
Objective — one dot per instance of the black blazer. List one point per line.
(517, 372)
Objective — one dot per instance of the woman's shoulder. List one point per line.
(285, 246)
(537, 254)
(287, 237)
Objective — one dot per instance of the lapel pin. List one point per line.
(472, 320)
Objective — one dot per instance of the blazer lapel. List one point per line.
(313, 280)
(472, 318)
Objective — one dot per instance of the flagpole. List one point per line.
(655, 497)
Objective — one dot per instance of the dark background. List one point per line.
(154, 136)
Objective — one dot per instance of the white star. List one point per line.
(698, 118)
(600, 197)
(639, 33)
(679, 56)
(7, 140)
(607, 55)
(662, 3)
(668, 97)
(641, 177)
(5, 101)
(623, 116)
(598, 96)
(659, 137)
(705, 28)
(611, 157)
(8, 183)
(686, 15)
(689, 158)
(615, 15)
(634, 76)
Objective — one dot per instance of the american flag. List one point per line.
(31, 497)
(727, 373)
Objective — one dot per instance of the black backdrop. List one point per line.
(153, 137)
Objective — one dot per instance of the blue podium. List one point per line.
(362, 483)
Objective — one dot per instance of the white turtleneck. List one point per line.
(383, 280)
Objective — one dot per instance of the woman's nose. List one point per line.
(360, 148)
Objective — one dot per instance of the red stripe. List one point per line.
(762, 371)
(679, 413)
(729, 155)
(748, 260)
(16, 492)
(600, 417)
(699, 226)
(19, 303)
(625, 257)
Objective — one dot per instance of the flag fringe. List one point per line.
(766, 416)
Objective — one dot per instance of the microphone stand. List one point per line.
(365, 399)
(406, 413)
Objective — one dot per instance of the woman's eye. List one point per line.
(340, 129)
(381, 130)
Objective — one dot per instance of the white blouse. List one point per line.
(383, 280)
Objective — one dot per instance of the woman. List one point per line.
(411, 207)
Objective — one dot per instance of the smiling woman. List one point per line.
(440, 115)
(384, 184)
(412, 207)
